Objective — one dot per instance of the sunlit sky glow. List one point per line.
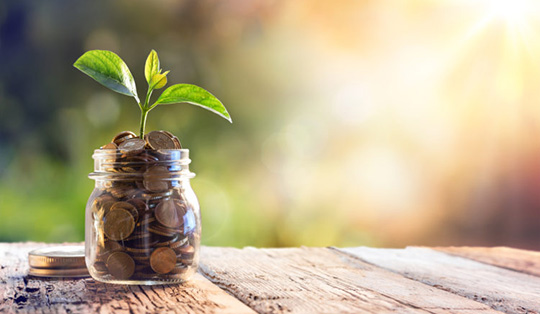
(428, 108)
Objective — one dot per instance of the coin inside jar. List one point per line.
(127, 206)
(119, 224)
(163, 260)
(142, 216)
(159, 140)
(139, 204)
(170, 213)
(154, 179)
(120, 265)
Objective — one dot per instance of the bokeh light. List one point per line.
(376, 123)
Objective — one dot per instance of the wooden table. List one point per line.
(298, 280)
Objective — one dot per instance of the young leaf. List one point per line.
(158, 80)
(195, 95)
(151, 67)
(109, 69)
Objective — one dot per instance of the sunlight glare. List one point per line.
(510, 10)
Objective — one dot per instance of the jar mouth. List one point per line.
(163, 164)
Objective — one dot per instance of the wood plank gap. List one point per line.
(523, 261)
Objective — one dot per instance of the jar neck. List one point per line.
(169, 165)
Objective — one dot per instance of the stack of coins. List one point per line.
(58, 261)
(144, 226)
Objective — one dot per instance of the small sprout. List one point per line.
(108, 69)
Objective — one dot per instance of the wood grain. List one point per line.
(501, 289)
(319, 280)
(519, 260)
(20, 293)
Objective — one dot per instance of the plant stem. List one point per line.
(144, 113)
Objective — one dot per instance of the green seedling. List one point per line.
(108, 69)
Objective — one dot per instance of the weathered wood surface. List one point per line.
(20, 293)
(296, 280)
(520, 260)
(319, 280)
(502, 289)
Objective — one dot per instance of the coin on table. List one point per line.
(120, 265)
(57, 257)
(163, 260)
(159, 140)
(60, 261)
(170, 213)
(123, 136)
(119, 224)
(132, 146)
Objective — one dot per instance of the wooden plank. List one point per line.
(20, 293)
(501, 289)
(319, 280)
(519, 260)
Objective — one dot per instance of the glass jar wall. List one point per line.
(143, 218)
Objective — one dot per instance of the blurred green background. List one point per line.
(376, 123)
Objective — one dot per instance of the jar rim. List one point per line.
(108, 161)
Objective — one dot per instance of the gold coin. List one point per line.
(139, 204)
(101, 200)
(122, 136)
(159, 140)
(169, 134)
(177, 143)
(46, 272)
(109, 146)
(179, 269)
(176, 246)
(154, 178)
(127, 206)
(186, 254)
(163, 231)
(144, 250)
(132, 146)
(163, 260)
(108, 247)
(170, 213)
(57, 257)
(145, 220)
(171, 240)
(100, 267)
(119, 224)
(120, 265)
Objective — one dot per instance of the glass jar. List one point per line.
(143, 218)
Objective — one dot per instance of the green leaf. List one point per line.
(195, 95)
(109, 69)
(158, 80)
(151, 67)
